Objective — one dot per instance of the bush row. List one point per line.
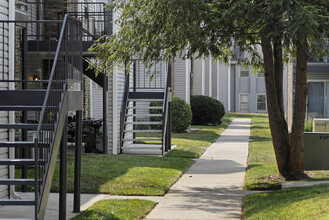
(203, 110)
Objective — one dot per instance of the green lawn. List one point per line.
(140, 175)
(302, 203)
(123, 174)
(117, 209)
(193, 143)
(262, 171)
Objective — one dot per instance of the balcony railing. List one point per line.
(95, 17)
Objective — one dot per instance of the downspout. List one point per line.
(114, 112)
(11, 58)
(210, 76)
(218, 66)
(186, 79)
(203, 81)
(229, 86)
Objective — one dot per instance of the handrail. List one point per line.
(124, 106)
(53, 110)
(51, 76)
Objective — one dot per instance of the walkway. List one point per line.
(213, 187)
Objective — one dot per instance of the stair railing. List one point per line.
(124, 106)
(64, 73)
(165, 110)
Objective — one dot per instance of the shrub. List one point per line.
(308, 125)
(181, 115)
(206, 110)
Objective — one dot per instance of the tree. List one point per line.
(269, 31)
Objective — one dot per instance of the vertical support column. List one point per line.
(168, 129)
(229, 86)
(203, 77)
(218, 72)
(134, 103)
(77, 161)
(210, 76)
(62, 174)
(24, 113)
(105, 126)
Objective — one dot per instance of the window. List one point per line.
(244, 73)
(261, 102)
(244, 102)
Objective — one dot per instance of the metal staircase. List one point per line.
(50, 99)
(145, 129)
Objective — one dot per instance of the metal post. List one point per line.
(134, 103)
(77, 161)
(62, 174)
(105, 127)
(24, 113)
(168, 134)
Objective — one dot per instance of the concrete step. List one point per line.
(145, 100)
(144, 107)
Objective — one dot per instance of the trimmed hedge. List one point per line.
(206, 110)
(181, 115)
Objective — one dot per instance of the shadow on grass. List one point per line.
(312, 203)
(123, 174)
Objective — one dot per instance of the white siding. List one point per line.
(181, 79)
(4, 68)
(96, 106)
(197, 77)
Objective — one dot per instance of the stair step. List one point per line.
(14, 202)
(142, 147)
(144, 123)
(144, 107)
(146, 95)
(17, 181)
(143, 131)
(145, 100)
(20, 108)
(144, 115)
(25, 126)
(146, 139)
(17, 144)
(18, 162)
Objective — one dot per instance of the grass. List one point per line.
(123, 174)
(301, 203)
(194, 143)
(262, 173)
(261, 161)
(117, 209)
(140, 175)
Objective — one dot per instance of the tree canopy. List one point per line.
(160, 29)
(265, 32)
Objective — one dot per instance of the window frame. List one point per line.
(257, 95)
(247, 94)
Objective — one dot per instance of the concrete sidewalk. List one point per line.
(213, 187)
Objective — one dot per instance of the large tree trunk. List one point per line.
(296, 136)
(288, 148)
(278, 125)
